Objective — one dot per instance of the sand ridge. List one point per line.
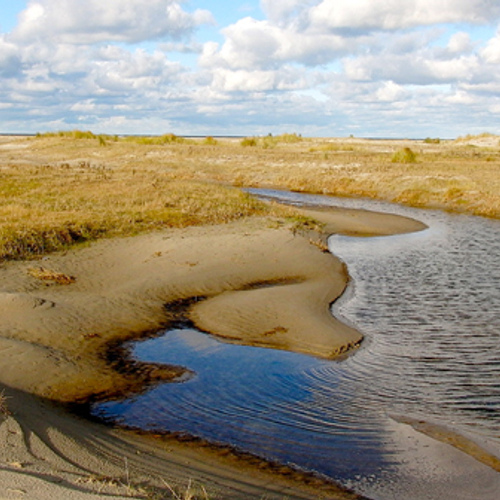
(262, 284)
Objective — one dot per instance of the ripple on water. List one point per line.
(429, 306)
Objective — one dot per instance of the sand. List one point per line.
(253, 282)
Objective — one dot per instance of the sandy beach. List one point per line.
(253, 282)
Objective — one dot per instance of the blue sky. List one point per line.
(418, 68)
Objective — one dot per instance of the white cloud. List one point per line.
(259, 80)
(93, 21)
(390, 92)
(461, 97)
(84, 106)
(491, 53)
(311, 66)
(419, 68)
(460, 43)
(260, 44)
(281, 11)
(10, 61)
(397, 14)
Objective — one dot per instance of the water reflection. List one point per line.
(429, 305)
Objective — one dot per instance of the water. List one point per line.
(428, 304)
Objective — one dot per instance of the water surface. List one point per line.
(428, 304)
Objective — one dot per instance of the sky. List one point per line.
(367, 68)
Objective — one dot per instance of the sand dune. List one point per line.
(261, 284)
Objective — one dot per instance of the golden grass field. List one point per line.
(65, 188)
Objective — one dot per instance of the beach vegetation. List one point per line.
(248, 142)
(64, 207)
(48, 275)
(472, 137)
(210, 141)
(404, 155)
(320, 243)
(61, 189)
(160, 140)
(70, 134)
(190, 492)
(4, 408)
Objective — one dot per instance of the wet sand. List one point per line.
(252, 282)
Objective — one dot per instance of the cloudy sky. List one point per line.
(371, 68)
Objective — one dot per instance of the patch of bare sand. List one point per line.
(262, 286)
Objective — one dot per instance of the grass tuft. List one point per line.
(190, 492)
(47, 275)
(405, 155)
(210, 141)
(4, 409)
(248, 142)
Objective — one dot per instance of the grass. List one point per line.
(61, 189)
(190, 492)
(47, 275)
(404, 155)
(4, 409)
(48, 206)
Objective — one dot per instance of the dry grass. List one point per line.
(4, 409)
(59, 191)
(190, 492)
(47, 275)
(67, 188)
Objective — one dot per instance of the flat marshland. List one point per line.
(169, 224)
(72, 187)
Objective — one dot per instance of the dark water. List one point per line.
(428, 304)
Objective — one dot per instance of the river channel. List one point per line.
(428, 304)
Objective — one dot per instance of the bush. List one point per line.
(248, 142)
(210, 141)
(289, 138)
(405, 155)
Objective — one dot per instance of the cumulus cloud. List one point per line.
(411, 69)
(390, 92)
(258, 81)
(9, 58)
(92, 21)
(395, 14)
(281, 11)
(491, 53)
(251, 43)
(309, 65)
(460, 43)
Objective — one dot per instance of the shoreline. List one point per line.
(120, 290)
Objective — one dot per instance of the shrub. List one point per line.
(210, 141)
(289, 138)
(80, 134)
(171, 139)
(248, 142)
(405, 155)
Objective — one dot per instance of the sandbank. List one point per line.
(253, 282)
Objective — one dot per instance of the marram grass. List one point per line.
(65, 188)
(52, 207)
